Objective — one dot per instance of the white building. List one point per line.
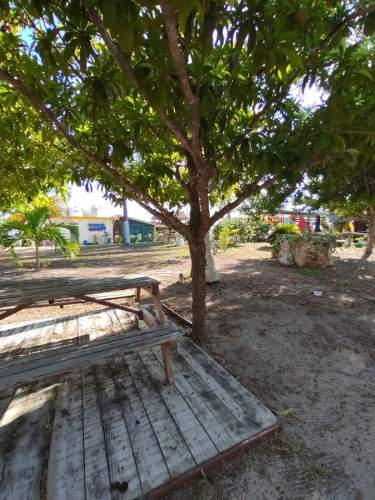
(91, 229)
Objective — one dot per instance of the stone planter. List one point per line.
(305, 253)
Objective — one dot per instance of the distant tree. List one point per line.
(176, 102)
(346, 183)
(32, 222)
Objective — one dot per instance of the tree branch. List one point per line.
(247, 191)
(118, 55)
(254, 187)
(142, 198)
(123, 63)
(171, 29)
(191, 100)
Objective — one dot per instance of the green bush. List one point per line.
(241, 230)
(260, 230)
(237, 228)
(226, 237)
(280, 231)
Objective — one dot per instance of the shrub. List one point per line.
(227, 237)
(280, 232)
(260, 229)
(237, 228)
(241, 230)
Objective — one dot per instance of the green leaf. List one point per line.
(369, 24)
(365, 72)
(183, 10)
(110, 12)
(350, 157)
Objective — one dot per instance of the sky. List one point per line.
(80, 199)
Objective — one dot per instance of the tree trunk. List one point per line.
(371, 236)
(197, 249)
(37, 260)
(125, 228)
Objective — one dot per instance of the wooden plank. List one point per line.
(71, 351)
(13, 403)
(259, 413)
(37, 338)
(150, 462)
(125, 319)
(27, 444)
(97, 480)
(200, 444)
(66, 465)
(24, 291)
(225, 396)
(11, 340)
(177, 454)
(204, 412)
(103, 324)
(235, 427)
(4, 403)
(75, 356)
(116, 324)
(86, 328)
(125, 482)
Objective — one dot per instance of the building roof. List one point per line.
(83, 217)
(150, 223)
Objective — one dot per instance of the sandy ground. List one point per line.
(309, 358)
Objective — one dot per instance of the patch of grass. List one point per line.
(317, 471)
(285, 412)
(312, 272)
(280, 444)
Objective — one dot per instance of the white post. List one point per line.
(126, 231)
(212, 276)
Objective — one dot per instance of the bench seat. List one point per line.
(30, 367)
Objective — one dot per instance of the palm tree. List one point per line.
(32, 222)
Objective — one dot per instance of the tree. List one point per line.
(32, 222)
(175, 102)
(32, 158)
(346, 125)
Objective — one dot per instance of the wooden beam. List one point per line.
(198, 471)
(88, 298)
(158, 306)
(176, 315)
(166, 351)
(9, 312)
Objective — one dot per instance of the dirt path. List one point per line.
(309, 358)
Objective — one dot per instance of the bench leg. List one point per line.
(137, 300)
(166, 351)
(158, 306)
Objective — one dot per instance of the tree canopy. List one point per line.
(345, 130)
(174, 102)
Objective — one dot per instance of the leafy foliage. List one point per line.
(31, 222)
(282, 231)
(241, 62)
(173, 103)
(243, 229)
(346, 184)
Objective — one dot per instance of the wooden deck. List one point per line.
(117, 431)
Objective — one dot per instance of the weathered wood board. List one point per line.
(117, 431)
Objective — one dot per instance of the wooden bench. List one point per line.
(23, 369)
